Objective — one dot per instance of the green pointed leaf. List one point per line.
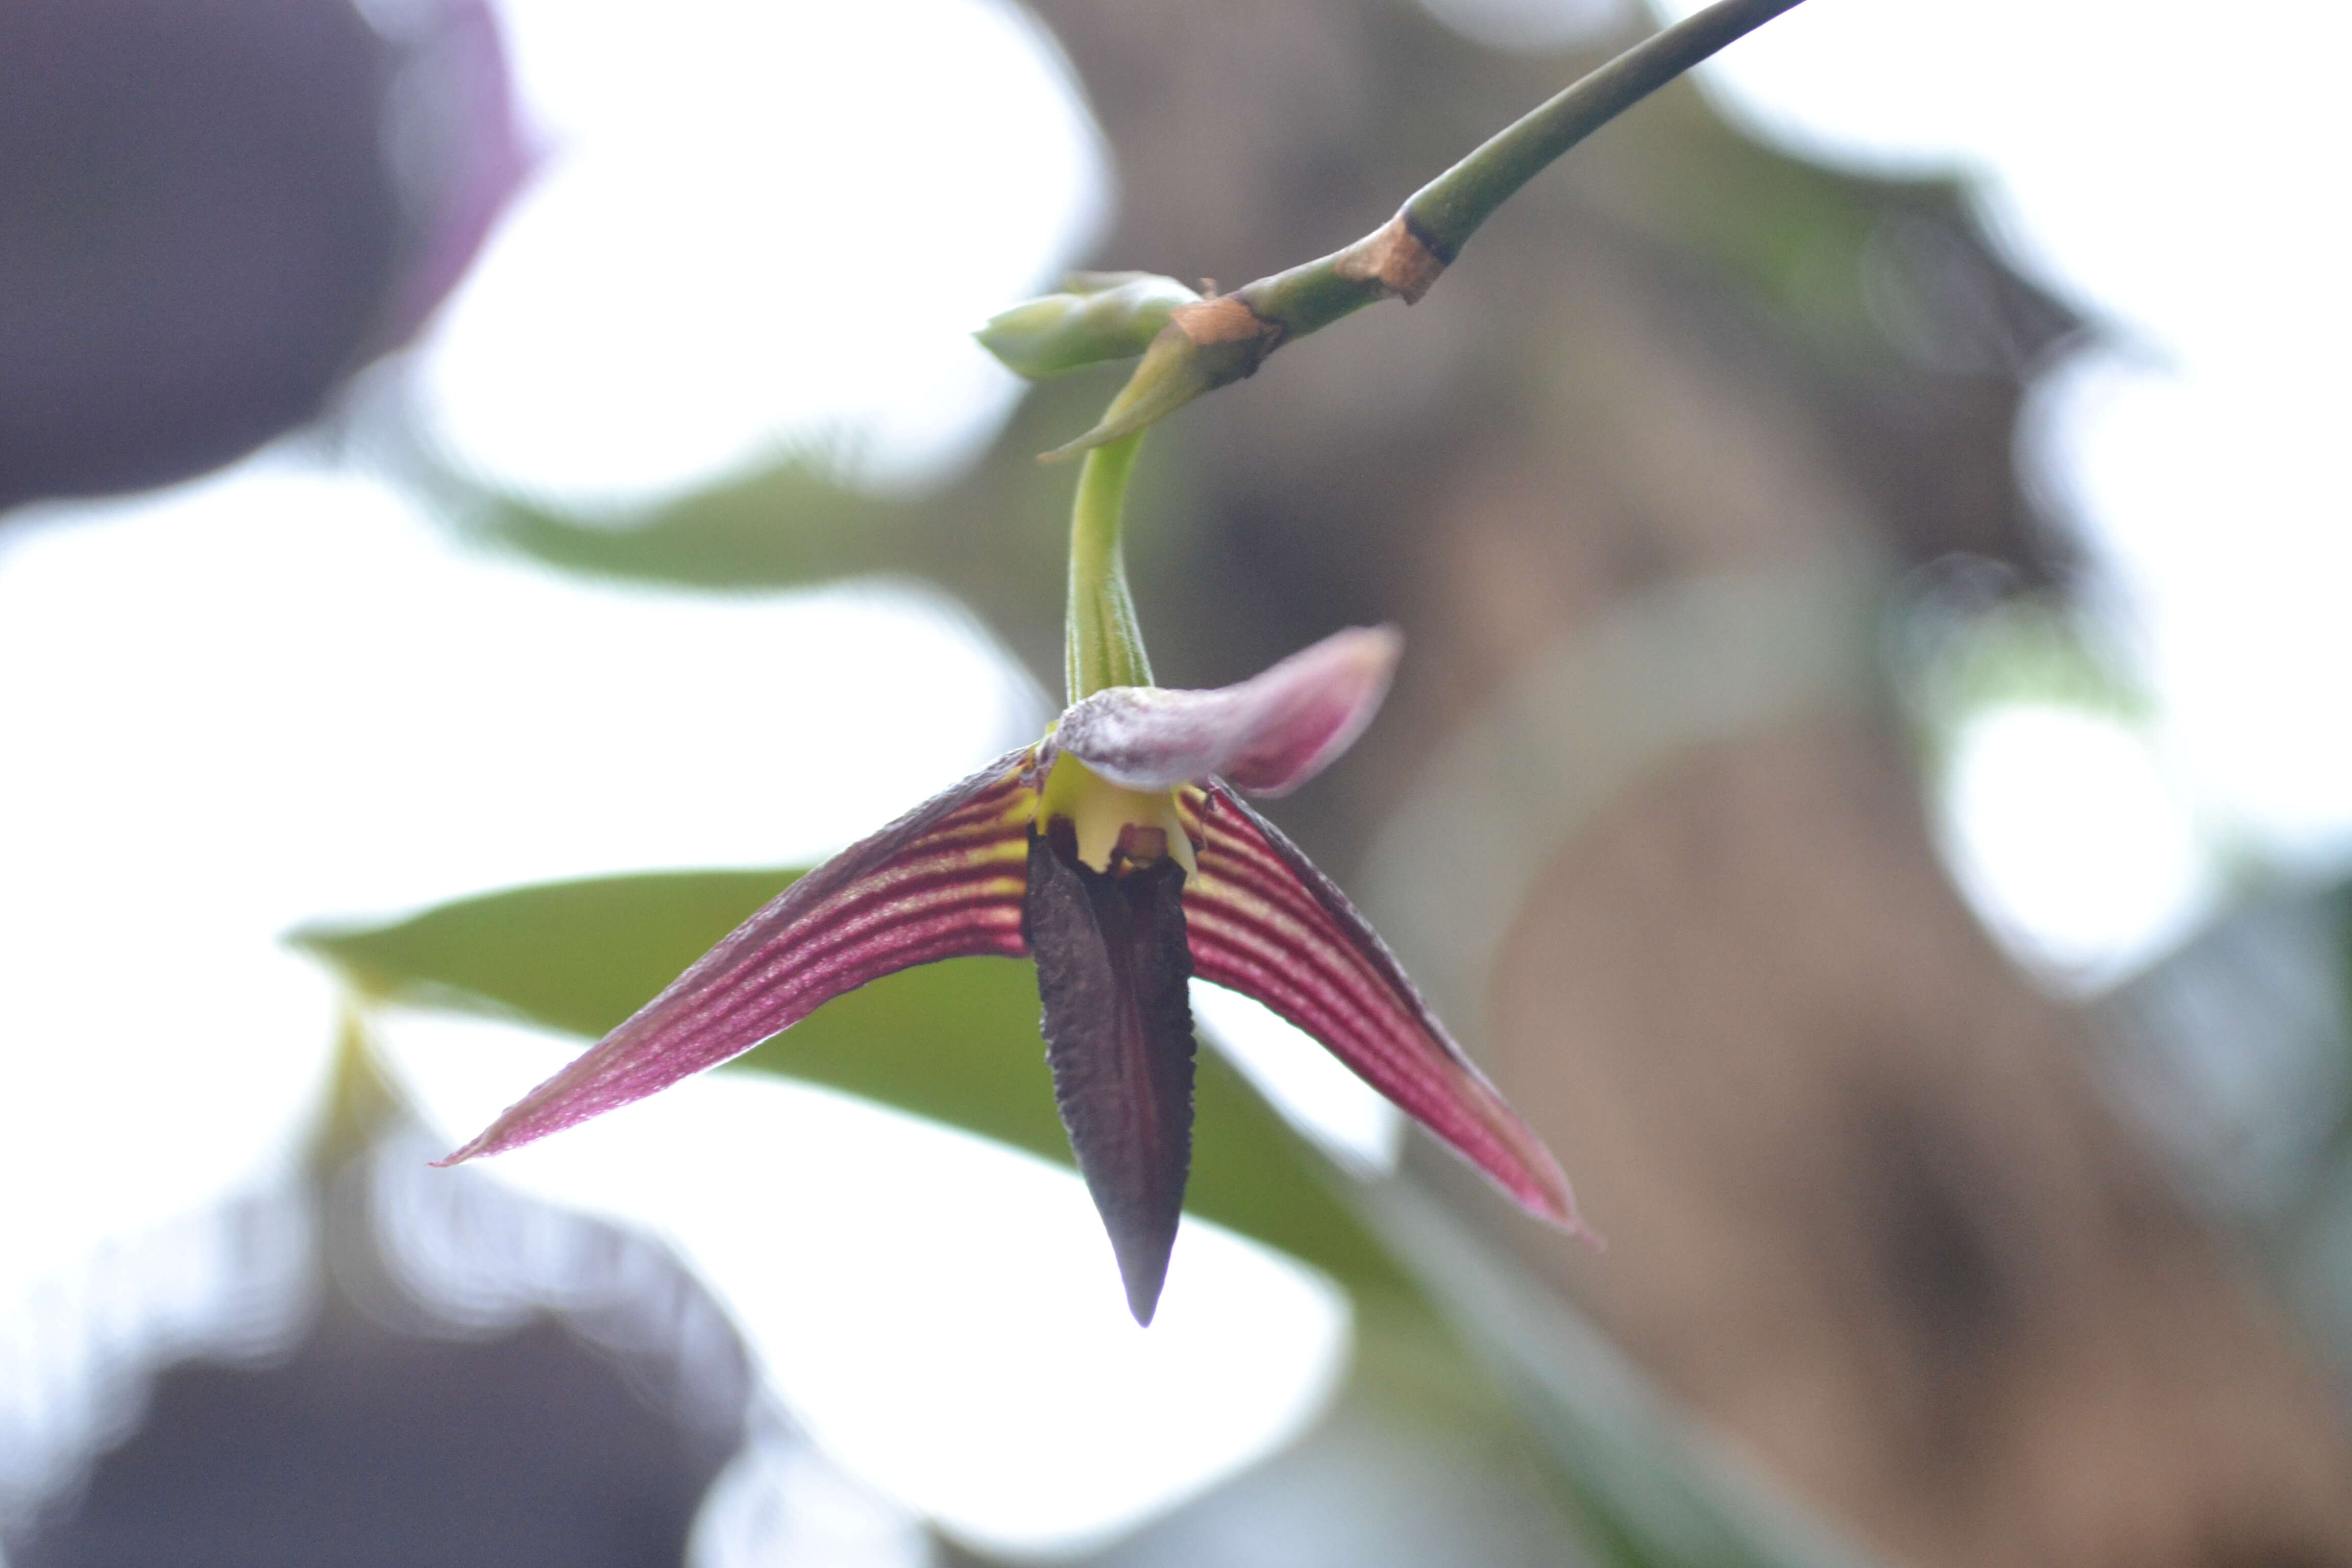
(956, 1041)
(788, 526)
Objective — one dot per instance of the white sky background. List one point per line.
(280, 693)
(749, 231)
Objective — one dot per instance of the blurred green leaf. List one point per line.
(994, 537)
(955, 1041)
(958, 1042)
(1654, 1490)
(787, 526)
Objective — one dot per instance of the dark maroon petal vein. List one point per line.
(850, 920)
(1256, 898)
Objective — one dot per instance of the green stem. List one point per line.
(1217, 341)
(1443, 214)
(1450, 208)
(1102, 646)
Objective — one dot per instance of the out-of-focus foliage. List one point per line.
(205, 227)
(722, 538)
(958, 1042)
(994, 541)
(1652, 1496)
(1968, 643)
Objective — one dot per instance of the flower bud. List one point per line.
(1099, 316)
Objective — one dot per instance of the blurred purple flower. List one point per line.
(1115, 854)
(458, 147)
(212, 212)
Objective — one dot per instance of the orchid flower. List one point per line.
(1116, 853)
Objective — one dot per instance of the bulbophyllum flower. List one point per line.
(1115, 854)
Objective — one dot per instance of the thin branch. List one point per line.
(1219, 340)
(1449, 209)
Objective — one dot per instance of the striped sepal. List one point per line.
(943, 881)
(1111, 971)
(1264, 922)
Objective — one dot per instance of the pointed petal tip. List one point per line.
(1142, 1251)
(1381, 645)
(1523, 1168)
(1322, 698)
(1540, 1187)
(1560, 1211)
(937, 883)
(485, 1142)
(1112, 973)
(1261, 921)
(541, 1112)
(1144, 1291)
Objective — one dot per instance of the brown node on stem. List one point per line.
(1207, 345)
(1394, 257)
(1227, 321)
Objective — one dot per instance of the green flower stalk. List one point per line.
(1218, 341)
(1102, 646)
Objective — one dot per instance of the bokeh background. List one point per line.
(488, 486)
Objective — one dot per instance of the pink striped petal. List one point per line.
(1269, 735)
(1264, 922)
(945, 880)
